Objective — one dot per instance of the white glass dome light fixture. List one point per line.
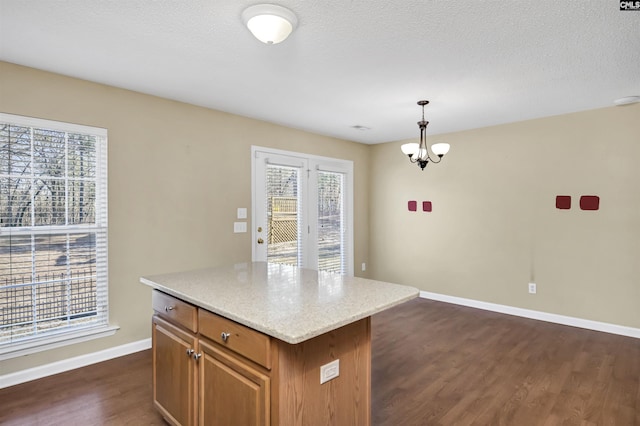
(418, 153)
(627, 100)
(269, 23)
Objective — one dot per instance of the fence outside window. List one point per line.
(53, 228)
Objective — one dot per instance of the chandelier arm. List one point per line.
(434, 161)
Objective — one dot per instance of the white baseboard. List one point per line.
(129, 348)
(537, 315)
(72, 363)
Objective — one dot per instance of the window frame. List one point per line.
(61, 336)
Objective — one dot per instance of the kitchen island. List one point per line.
(251, 343)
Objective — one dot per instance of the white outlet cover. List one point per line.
(242, 213)
(329, 371)
(239, 227)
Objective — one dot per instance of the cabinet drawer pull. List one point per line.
(190, 352)
(168, 308)
(225, 336)
(197, 356)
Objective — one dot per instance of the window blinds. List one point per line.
(53, 228)
(285, 225)
(332, 236)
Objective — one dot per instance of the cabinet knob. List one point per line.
(225, 336)
(197, 356)
(168, 308)
(190, 352)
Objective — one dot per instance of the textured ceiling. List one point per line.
(349, 63)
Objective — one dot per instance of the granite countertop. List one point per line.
(288, 303)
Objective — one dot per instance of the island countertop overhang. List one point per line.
(289, 303)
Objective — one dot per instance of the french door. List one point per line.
(302, 210)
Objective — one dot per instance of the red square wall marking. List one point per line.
(563, 202)
(413, 206)
(426, 206)
(589, 202)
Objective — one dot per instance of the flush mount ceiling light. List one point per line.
(269, 23)
(627, 100)
(418, 153)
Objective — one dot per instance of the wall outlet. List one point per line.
(532, 288)
(364, 266)
(329, 371)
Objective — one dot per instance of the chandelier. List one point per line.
(418, 153)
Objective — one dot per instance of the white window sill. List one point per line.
(56, 341)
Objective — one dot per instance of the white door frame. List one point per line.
(312, 164)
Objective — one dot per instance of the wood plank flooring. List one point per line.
(433, 364)
(440, 364)
(114, 392)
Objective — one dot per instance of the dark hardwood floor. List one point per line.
(440, 364)
(433, 364)
(114, 392)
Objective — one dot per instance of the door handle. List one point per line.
(260, 241)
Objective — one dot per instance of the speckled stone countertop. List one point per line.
(288, 303)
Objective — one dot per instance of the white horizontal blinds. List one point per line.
(284, 213)
(331, 222)
(53, 228)
(101, 228)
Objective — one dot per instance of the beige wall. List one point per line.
(493, 229)
(177, 173)
(494, 225)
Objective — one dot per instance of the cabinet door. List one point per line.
(174, 373)
(231, 391)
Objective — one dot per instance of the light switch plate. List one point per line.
(239, 227)
(242, 213)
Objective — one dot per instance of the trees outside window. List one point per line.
(53, 228)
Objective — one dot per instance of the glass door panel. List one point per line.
(283, 215)
(331, 235)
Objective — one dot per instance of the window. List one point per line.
(53, 231)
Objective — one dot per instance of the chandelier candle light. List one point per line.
(418, 153)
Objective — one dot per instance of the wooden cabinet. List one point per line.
(175, 310)
(209, 370)
(231, 392)
(174, 372)
(235, 337)
(199, 381)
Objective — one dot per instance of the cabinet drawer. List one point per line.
(175, 310)
(243, 340)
